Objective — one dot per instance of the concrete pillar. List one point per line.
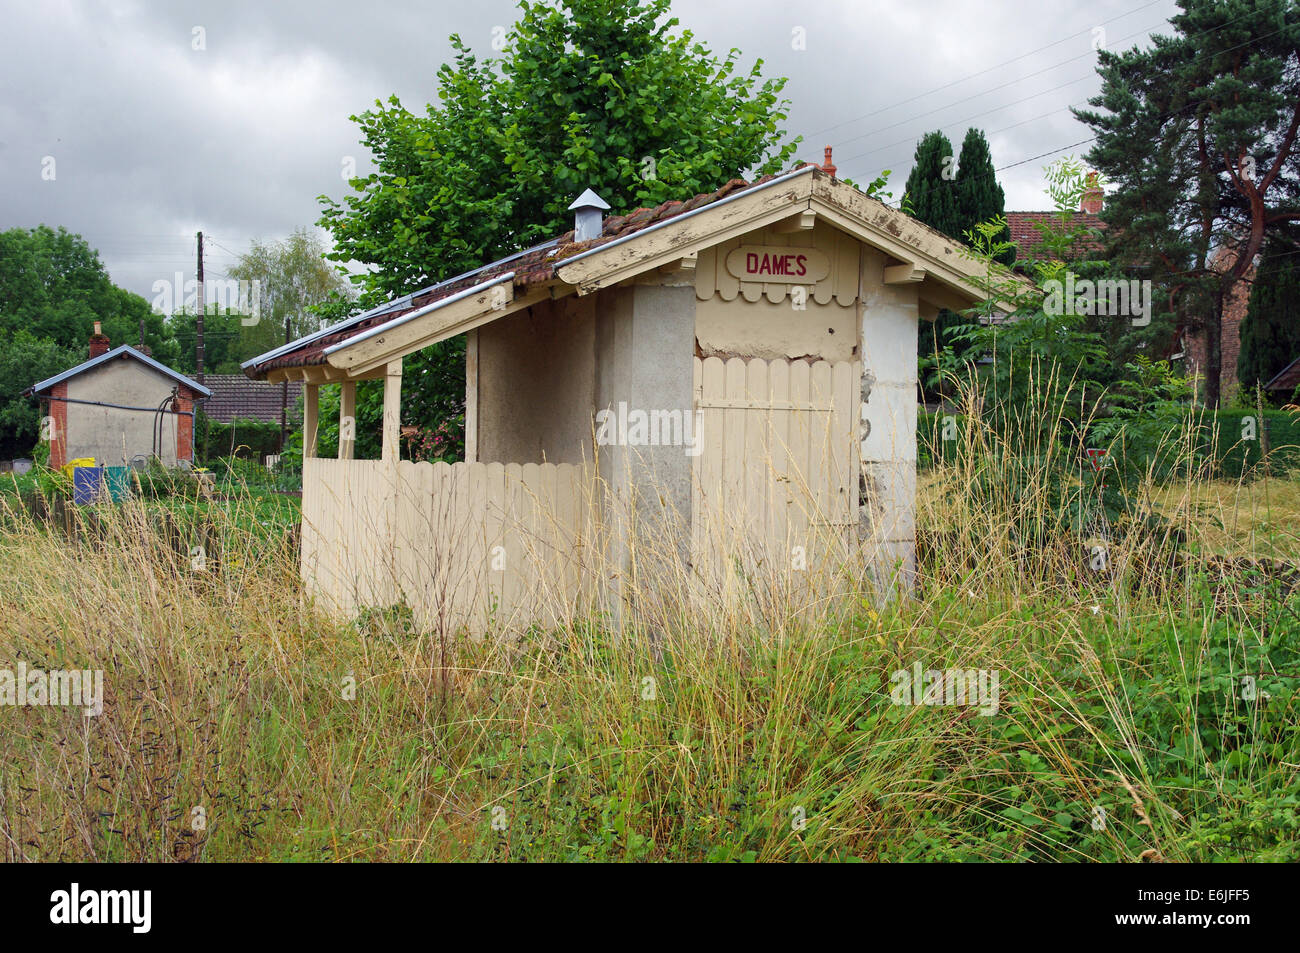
(310, 419)
(645, 351)
(393, 411)
(887, 434)
(347, 420)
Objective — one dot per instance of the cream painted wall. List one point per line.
(777, 320)
(536, 384)
(114, 436)
(739, 328)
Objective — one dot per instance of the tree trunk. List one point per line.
(1214, 352)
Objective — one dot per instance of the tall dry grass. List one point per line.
(242, 722)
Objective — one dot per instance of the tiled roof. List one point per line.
(1029, 239)
(234, 395)
(533, 266)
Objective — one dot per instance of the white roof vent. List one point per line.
(588, 218)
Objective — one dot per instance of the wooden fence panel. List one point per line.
(777, 469)
(466, 546)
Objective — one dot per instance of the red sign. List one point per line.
(778, 264)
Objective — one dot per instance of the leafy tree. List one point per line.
(954, 197)
(599, 94)
(26, 359)
(1199, 134)
(1270, 333)
(53, 285)
(1035, 336)
(586, 94)
(293, 276)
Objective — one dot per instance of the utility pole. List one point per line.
(198, 328)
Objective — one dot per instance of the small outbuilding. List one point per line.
(118, 407)
(685, 399)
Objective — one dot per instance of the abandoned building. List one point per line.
(717, 387)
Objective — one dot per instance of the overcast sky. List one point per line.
(152, 139)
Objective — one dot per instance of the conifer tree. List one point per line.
(979, 196)
(1270, 334)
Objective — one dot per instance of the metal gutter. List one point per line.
(393, 305)
(427, 309)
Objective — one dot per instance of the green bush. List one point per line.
(253, 439)
(1236, 453)
(1225, 435)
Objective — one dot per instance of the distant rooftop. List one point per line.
(236, 396)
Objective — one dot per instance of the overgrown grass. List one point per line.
(1145, 711)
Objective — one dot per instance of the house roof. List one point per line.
(235, 396)
(1029, 239)
(461, 302)
(125, 351)
(531, 266)
(1286, 379)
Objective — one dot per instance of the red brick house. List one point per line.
(117, 407)
(1192, 347)
(1027, 235)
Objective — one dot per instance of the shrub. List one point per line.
(241, 437)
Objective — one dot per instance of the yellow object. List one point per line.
(79, 462)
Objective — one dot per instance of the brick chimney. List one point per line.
(828, 165)
(98, 342)
(1093, 197)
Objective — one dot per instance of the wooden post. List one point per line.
(310, 419)
(347, 419)
(391, 455)
(393, 411)
(471, 397)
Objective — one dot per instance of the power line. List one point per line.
(996, 66)
(1162, 117)
(1021, 79)
(962, 122)
(1205, 32)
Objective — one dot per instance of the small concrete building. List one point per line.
(703, 392)
(117, 407)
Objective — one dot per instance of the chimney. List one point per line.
(98, 342)
(828, 166)
(1093, 197)
(588, 220)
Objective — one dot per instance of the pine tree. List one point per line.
(931, 195)
(953, 197)
(979, 196)
(1270, 333)
(1199, 135)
